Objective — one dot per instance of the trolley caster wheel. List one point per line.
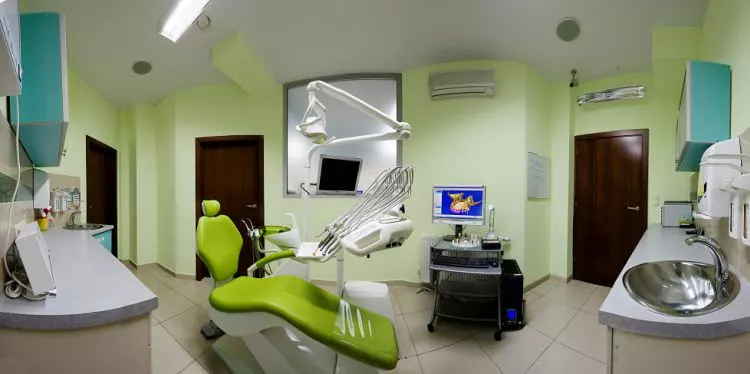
(430, 327)
(498, 335)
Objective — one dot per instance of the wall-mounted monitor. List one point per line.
(338, 175)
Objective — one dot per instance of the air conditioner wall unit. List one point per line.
(462, 83)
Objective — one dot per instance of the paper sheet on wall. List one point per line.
(538, 174)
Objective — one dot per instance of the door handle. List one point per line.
(252, 206)
(634, 208)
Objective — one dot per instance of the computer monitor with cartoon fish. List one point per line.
(458, 205)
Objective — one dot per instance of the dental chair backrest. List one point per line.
(219, 242)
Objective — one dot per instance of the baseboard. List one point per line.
(325, 282)
(174, 274)
(536, 283)
(156, 266)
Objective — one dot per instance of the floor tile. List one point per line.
(411, 300)
(205, 305)
(405, 345)
(559, 359)
(595, 301)
(517, 351)
(212, 363)
(549, 317)
(185, 328)
(167, 356)
(168, 279)
(530, 297)
(394, 301)
(171, 304)
(546, 287)
(152, 283)
(446, 333)
(194, 368)
(408, 365)
(463, 357)
(196, 292)
(571, 295)
(577, 283)
(586, 335)
(154, 320)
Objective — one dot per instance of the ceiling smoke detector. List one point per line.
(568, 29)
(142, 67)
(203, 22)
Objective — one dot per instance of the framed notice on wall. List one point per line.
(538, 176)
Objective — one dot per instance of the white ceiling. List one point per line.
(301, 39)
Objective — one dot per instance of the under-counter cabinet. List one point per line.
(704, 112)
(105, 239)
(42, 107)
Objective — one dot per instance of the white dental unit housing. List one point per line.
(375, 222)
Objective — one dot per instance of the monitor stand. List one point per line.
(457, 235)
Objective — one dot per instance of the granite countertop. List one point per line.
(620, 312)
(93, 288)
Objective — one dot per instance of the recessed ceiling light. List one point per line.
(568, 29)
(203, 22)
(142, 67)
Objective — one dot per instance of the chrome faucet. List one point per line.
(72, 218)
(722, 269)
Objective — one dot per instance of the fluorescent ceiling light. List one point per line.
(181, 17)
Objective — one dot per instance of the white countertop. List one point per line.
(93, 288)
(621, 312)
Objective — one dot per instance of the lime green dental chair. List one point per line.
(288, 324)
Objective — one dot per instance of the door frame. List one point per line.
(644, 133)
(199, 143)
(91, 141)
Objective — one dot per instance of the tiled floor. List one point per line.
(562, 335)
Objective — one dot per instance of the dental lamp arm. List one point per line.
(401, 128)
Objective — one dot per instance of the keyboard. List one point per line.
(464, 262)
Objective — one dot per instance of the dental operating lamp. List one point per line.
(391, 187)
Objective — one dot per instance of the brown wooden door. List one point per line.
(611, 210)
(230, 169)
(101, 186)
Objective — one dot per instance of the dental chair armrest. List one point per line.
(270, 258)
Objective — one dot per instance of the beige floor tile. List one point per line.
(411, 300)
(464, 357)
(549, 317)
(595, 301)
(408, 365)
(395, 303)
(405, 345)
(559, 359)
(517, 351)
(571, 295)
(577, 283)
(185, 328)
(212, 363)
(167, 356)
(194, 368)
(446, 333)
(206, 305)
(171, 304)
(168, 279)
(586, 335)
(530, 297)
(196, 292)
(546, 287)
(154, 320)
(151, 282)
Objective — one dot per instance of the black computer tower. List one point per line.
(512, 304)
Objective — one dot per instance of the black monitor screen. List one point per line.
(338, 175)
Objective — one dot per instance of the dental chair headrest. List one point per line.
(210, 208)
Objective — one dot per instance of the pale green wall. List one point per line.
(467, 141)
(90, 114)
(145, 183)
(726, 29)
(165, 170)
(561, 190)
(537, 211)
(126, 187)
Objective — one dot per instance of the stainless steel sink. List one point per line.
(679, 288)
(85, 226)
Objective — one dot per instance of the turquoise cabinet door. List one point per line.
(42, 107)
(105, 240)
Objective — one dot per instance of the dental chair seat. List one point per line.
(347, 329)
